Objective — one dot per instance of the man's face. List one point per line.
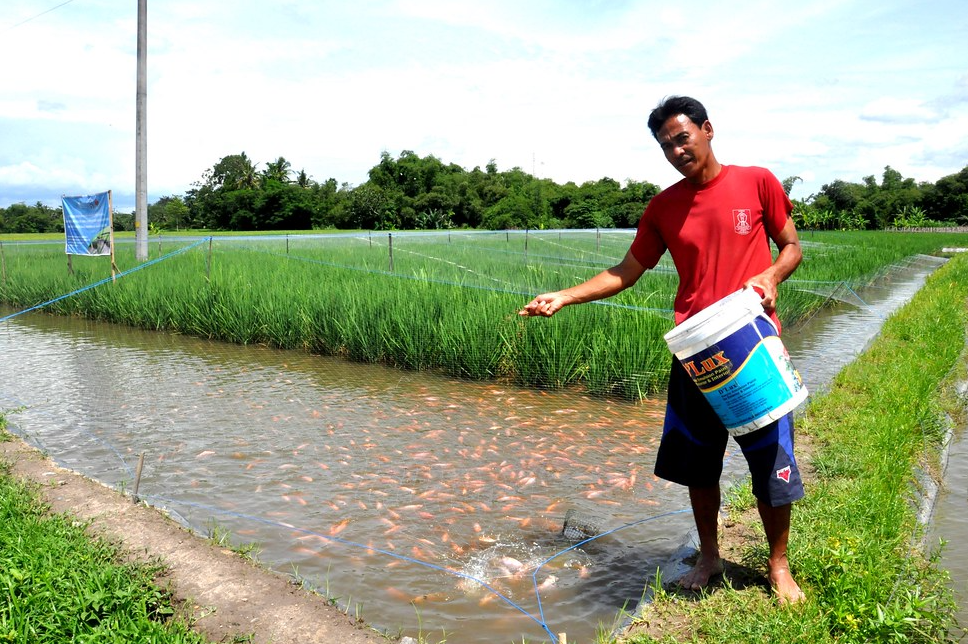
(685, 145)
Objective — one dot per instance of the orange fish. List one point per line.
(339, 527)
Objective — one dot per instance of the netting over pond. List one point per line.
(414, 496)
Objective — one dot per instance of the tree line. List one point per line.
(412, 192)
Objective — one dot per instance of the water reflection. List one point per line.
(950, 524)
(395, 489)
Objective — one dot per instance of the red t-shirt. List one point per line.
(718, 233)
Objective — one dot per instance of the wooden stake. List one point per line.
(137, 477)
(208, 263)
(390, 245)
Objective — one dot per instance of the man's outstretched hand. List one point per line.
(547, 304)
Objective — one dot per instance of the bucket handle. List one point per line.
(756, 288)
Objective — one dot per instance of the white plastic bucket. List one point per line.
(733, 353)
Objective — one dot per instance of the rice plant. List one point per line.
(444, 302)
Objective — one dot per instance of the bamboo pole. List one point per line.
(70, 267)
(114, 267)
(3, 264)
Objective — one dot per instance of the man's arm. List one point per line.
(786, 262)
(605, 284)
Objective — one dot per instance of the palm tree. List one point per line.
(277, 170)
(303, 180)
(247, 177)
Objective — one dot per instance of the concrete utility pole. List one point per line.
(141, 139)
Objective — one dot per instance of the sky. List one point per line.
(818, 89)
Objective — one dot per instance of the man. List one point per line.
(716, 223)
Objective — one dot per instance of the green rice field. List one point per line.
(440, 301)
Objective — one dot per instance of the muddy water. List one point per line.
(950, 523)
(373, 485)
(429, 504)
(828, 341)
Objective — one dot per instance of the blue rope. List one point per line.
(534, 575)
(418, 278)
(859, 299)
(539, 620)
(104, 281)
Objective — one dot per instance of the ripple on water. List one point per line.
(384, 487)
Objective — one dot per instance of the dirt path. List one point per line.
(223, 596)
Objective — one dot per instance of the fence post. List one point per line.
(390, 246)
(3, 264)
(208, 261)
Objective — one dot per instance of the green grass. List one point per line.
(58, 585)
(855, 535)
(448, 304)
(852, 544)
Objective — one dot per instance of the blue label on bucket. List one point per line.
(746, 375)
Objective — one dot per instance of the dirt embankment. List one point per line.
(223, 596)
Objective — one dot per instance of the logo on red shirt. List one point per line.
(784, 474)
(742, 223)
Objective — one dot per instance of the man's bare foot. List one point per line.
(784, 586)
(705, 569)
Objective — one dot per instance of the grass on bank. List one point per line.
(59, 585)
(444, 302)
(855, 538)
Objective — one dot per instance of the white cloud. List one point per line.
(23, 173)
(898, 110)
(817, 90)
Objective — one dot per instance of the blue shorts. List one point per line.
(694, 443)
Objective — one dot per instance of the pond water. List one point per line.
(433, 506)
(950, 524)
